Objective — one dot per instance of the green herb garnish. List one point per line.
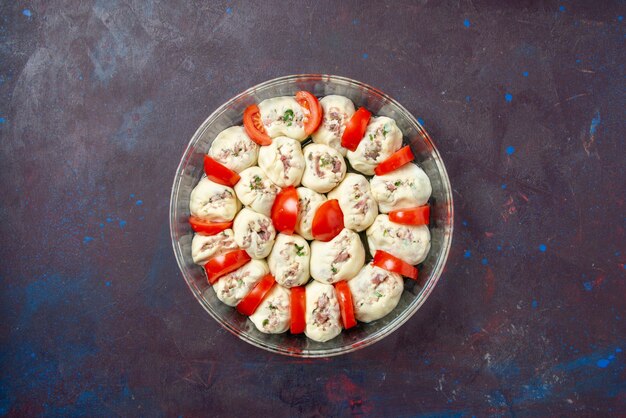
(333, 269)
(271, 307)
(299, 250)
(378, 294)
(371, 137)
(288, 117)
(398, 183)
(385, 131)
(256, 183)
(266, 322)
(240, 282)
(324, 161)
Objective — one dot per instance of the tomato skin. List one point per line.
(344, 296)
(285, 210)
(355, 129)
(223, 264)
(386, 261)
(252, 300)
(395, 161)
(327, 221)
(208, 228)
(219, 173)
(412, 216)
(254, 127)
(298, 309)
(310, 102)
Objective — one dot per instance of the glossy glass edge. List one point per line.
(419, 299)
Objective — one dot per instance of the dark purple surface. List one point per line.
(525, 102)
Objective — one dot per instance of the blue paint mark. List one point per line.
(122, 223)
(101, 225)
(618, 350)
(602, 363)
(467, 254)
(27, 13)
(464, 223)
(132, 195)
(578, 61)
(499, 247)
(2, 120)
(620, 18)
(561, 8)
(542, 248)
(87, 240)
(594, 123)
(467, 23)
(525, 73)
(365, 55)
(139, 203)
(229, 10)
(484, 261)
(109, 220)
(355, 21)
(510, 150)
(616, 253)
(508, 97)
(80, 76)
(588, 286)
(503, 186)
(468, 99)
(108, 284)
(421, 121)
(534, 304)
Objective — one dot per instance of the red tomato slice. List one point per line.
(386, 261)
(254, 127)
(345, 304)
(310, 103)
(219, 173)
(252, 300)
(285, 210)
(412, 216)
(208, 228)
(327, 221)
(223, 264)
(355, 129)
(395, 161)
(297, 306)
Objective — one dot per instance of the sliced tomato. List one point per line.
(395, 161)
(285, 210)
(297, 306)
(208, 228)
(252, 300)
(219, 173)
(355, 129)
(386, 261)
(344, 296)
(223, 264)
(254, 127)
(310, 103)
(327, 221)
(412, 216)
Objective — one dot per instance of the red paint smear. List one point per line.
(523, 196)
(599, 280)
(489, 234)
(490, 282)
(341, 388)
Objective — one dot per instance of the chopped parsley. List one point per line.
(398, 183)
(256, 183)
(240, 282)
(288, 117)
(385, 131)
(371, 137)
(272, 307)
(324, 161)
(299, 250)
(385, 232)
(333, 269)
(266, 322)
(378, 294)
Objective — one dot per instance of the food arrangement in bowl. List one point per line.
(311, 216)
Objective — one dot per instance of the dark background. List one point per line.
(525, 101)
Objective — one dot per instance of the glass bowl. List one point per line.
(415, 293)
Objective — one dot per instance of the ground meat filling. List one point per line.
(393, 186)
(361, 202)
(321, 313)
(224, 240)
(404, 234)
(217, 200)
(333, 121)
(288, 118)
(342, 256)
(285, 159)
(374, 143)
(259, 228)
(273, 319)
(239, 147)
